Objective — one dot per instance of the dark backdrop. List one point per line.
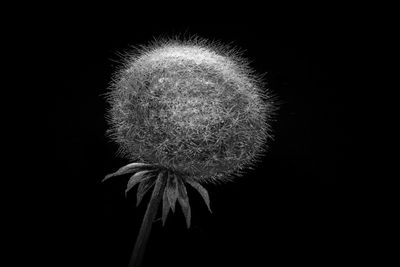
(285, 211)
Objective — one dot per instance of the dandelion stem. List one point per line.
(145, 229)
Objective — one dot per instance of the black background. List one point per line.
(285, 211)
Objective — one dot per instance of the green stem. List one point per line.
(145, 229)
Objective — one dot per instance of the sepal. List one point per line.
(132, 167)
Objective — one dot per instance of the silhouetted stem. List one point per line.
(145, 229)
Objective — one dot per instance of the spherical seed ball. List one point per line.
(192, 106)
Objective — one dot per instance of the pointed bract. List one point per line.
(166, 207)
(126, 169)
(160, 180)
(136, 178)
(143, 188)
(184, 201)
(203, 192)
(172, 190)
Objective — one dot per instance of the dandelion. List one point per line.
(185, 112)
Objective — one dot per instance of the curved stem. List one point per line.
(145, 229)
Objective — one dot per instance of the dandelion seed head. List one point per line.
(192, 106)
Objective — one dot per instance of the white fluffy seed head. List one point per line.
(192, 106)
